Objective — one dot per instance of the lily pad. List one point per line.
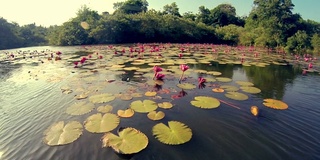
(150, 94)
(174, 134)
(97, 123)
(205, 102)
(154, 115)
(275, 104)
(215, 73)
(102, 98)
(165, 105)
(126, 97)
(81, 96)
(129, 141)
(60, 134)
(252, 90)
(105, 109)
(219, 90)
(143, 106)
(80, 108)
(223, 79)
(229, 88)
(125, 113)
(136, 95)
(236, 96)
(244, 83)
(186, 86)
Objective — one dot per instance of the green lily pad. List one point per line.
(165, 105)
(252, 90)
(223, 79)
(186, 86)
(154, 115)
(236, 96)
(125, 113)
(229, 88)
(102, 98)
(129, 141)
(60, 134)
(205, 102)
(97, 123)
(80, 108)
(215, 73)
(105, 109)
(244, 83)
(143, 106)
(174, 134)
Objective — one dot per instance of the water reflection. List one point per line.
(272, 79)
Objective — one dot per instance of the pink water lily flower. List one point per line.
(201, 80)
(157, 69)
(184, 67)
(83, 60)
(159, 76)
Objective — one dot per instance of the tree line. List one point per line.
(270, 24)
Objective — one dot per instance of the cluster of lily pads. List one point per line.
(171, 60)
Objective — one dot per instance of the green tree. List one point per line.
(171, 9)
(224, 14)
(315, 42)
(299, 42)
(131, 6)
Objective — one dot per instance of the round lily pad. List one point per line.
(236, 96)
(136, 95)
(143, 106)
(154, 115)
(205, 102)
(129, 141)
(60, 134)
(215, 73)
(219, 90)
(97, 123)
(150, 94)
(126, 97)
(125, 113)
(80, 108)
(252, 90)
(275, 104)
(229, 88)
(174, 134)
(102, 98)
(223, 79)
(244, 83)
(105, 109)
(186, 86)
(165, 105)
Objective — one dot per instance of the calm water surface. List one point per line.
(29, 106)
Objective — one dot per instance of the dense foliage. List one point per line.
(270, 24)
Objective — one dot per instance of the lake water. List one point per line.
(31, 100)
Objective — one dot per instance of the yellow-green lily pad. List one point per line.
(165, 105)
(154, 115)
(97, 123)
(252, 90)
(205, 102)
(80, 108)
(60, 134)
(102, 98)
(129, 141)
(105, 109)
(174, 134)
(186, 86)
(143, 106)
(223, 79)
(236, 96)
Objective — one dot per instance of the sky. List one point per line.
(55, 12)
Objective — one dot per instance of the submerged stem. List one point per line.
(229, 104)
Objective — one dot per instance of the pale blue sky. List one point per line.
(51, 12)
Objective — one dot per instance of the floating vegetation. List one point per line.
(154, 115)
(102, 98)
(186, 86)
(165, 105)
(125, 113)
(174, 134)
(80, 108)
(144, 106)
(275, 104)
(205, 102)
(60, 133)
(129, 141)
(236, 96)
(105, 109)
(98, 123)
